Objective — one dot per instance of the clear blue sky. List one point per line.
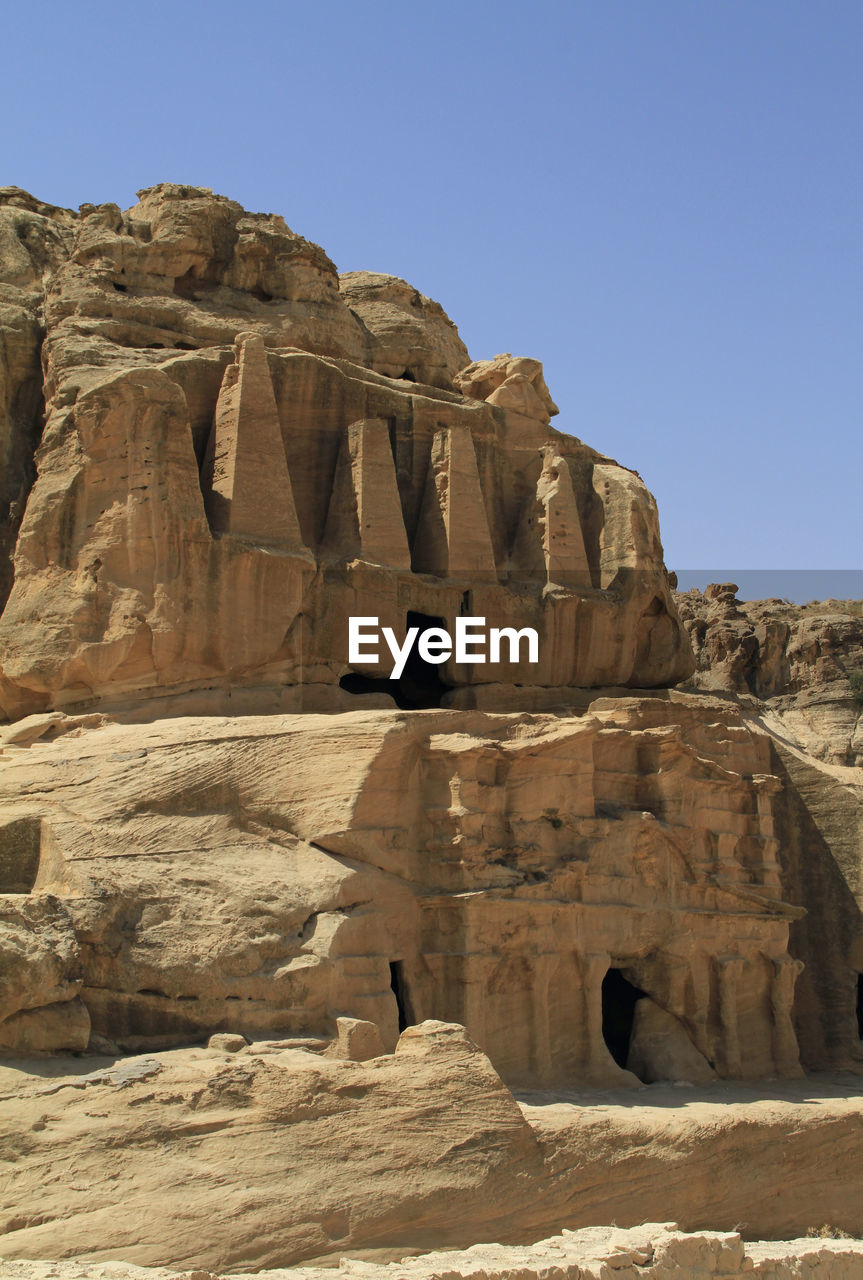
(659, 198)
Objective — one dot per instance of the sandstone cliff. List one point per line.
(797, 659)
(268, 874)
(792, 668)
(238, 449)
(342, 916)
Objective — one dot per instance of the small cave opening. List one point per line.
(399, 986)
(419, 687)
(860, 1006)
(619, 998)
(408, 376)
(187, 286)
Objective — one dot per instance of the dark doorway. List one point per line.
(421, 684)
(419, 687)
(619, 998)
(860, 1005)
(400, 991)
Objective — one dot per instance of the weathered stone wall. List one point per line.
(270, 874)
(212, 497)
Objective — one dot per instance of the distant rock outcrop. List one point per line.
(797, 659)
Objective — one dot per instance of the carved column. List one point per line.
(786, 1052)
(594, 968)
(544, 967)
(697, 1018)
(729, 969)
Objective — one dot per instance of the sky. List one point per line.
(660, 199)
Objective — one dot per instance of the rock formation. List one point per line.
(653, 1251)
(796, 659)
(209, 388)
(271, 1155)
(529, 878)
(791, 667)
(341, 913)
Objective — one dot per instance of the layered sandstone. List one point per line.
(237, 1161)
(790, 668)
(797, 659)
(521, 875)
(649, 1252)
(304, 957)
(240, 449)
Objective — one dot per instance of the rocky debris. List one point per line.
(795, 658)
(660, 1049)
(356, 1040)
(225, 1042)
(648, 1252)
(121, 1074)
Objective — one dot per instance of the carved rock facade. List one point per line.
(239, 451)
(530, 877)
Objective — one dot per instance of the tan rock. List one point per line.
(54, 1028)
(246, 479)
(647, 1252)
(364, 518)
(453, 536)
(155, 420)
(550, 539)
(345, 859)
(34, 239)
(515, 384)
(272, 1159)
(412, 337)
(227, 1043)
(356, 1040)
(240, 451)
(796, 658)
(660, 1049)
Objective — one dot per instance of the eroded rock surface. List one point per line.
(521, 875)
(264, 1157)
(340, 939)
(241, 449)
(795, 658)
(647, 1252)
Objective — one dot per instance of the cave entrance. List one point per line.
(419, 687)
(860, 1006)
(400, 991)
(619, 998)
